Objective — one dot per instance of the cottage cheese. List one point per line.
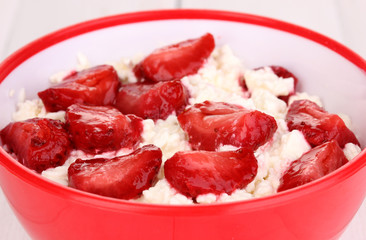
(218, 80)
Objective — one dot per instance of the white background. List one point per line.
(22, 21)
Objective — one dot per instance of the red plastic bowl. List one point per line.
(319, 210)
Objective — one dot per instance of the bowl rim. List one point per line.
(36, 180)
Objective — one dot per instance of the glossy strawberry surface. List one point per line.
(211, 124)
(38, 143)
(155, 101)
(199, 172)
(175, 61)
(314, 164)
(96, 129)
(94, 86)
(122, 177)
(317, 125)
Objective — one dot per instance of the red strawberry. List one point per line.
(175, 61)
(38, 143)
(314, 164)
(280, 72)
(155, 101)
(211, 124)
(96, 129)
(120, 177)
(94, 86)
(317, 125)
(200, 172)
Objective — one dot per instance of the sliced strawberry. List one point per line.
(93, 86)
(175, 61)
(38, 143)
(120, 177)
(155, 101)
(211, 124)
(96, 129)
(317, 125)
(314, 164)
(200, 172)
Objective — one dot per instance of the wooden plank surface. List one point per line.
(22, 21)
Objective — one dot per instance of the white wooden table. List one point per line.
(22, 21)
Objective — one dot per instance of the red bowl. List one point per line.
(319, 210)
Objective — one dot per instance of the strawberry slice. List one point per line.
(200, 172)
(317, 125)
(93, 86)
(96, 129)
(314, 164)
(211, 124)
(155, 101)
(175, 61)
(38, 143)
(122, 177)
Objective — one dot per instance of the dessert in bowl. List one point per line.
(290, 47)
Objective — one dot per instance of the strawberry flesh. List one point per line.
(200, 172)
(94, 86)
(96, 129)
(38, 143)
(155, 101)
(314, 164)
(175, 61)
(211, 124)
(317, 125)
(123, 177)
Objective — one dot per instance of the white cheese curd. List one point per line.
(27, 109)
(59, 174)
(237, 195)
(58, 77)
(165, 134)
(11, 92)
(218, 80)
(351, 151)
(265, 78)
(305, 96)
(268, 103)
(163, 193)
(274, 158)
(124, 68)
(82, 62)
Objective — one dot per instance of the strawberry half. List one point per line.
(175, 61)
(96, 129)
(314, 164)
(38, 143)
(317, 125)
(122, 177)
(93, 86)
(155, 101)
(200, 172)
(211, 124)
